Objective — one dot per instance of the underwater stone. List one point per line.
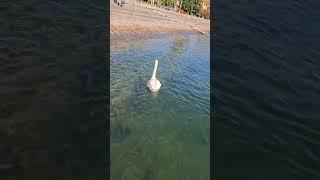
(148, 175)
(120, 133)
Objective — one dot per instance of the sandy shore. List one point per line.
(140, 18)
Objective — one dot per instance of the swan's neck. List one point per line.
(154, 70)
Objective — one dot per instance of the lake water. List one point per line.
(53, 117)
(164, 135)
(266, 90)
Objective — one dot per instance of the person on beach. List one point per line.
(119, 2)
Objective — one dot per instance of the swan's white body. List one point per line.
(154, 84)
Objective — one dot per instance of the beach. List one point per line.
(134, 18)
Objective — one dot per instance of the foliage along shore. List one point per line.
(199, 8)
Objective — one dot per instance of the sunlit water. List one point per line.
(167, 135)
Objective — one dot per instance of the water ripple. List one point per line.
(267, 88)
(162, 124)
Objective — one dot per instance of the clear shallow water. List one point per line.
(163, 136)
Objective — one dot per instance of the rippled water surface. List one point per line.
(167, 135)
(266, 90)
(52, 90)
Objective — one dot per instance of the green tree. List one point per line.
(168, 2)
(191, 6)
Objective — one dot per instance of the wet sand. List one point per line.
(135, 18)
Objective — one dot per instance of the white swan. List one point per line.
(154, 84)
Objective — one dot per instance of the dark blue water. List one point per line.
(266, 92)
(53, 110)
(266, 102)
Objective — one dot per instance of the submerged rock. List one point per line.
(205, 139)
(120, 133)
(148, 175)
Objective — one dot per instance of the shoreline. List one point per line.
(145, 30)
(136, 19)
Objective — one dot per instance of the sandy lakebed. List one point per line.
(135, 18)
